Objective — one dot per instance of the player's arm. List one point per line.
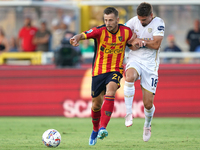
(137, 43)
(74, 41)
(153, 44)
(158, 34)
(129, 42)
(133, 47)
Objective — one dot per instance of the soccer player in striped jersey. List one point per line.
(143, 63)
(107, 69)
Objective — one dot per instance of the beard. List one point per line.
(144, 25)
(112, 28)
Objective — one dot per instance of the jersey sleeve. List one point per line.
(130, 34)
(129, 37)
(159, 28)
(130, 23)
(92, 33)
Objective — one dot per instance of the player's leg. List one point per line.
(129, 91)
(96, 110)
(98, 86)
(149, 110)
(108, 104)
(112, 84)
(107, 108)
(149, 79)
(96, 114)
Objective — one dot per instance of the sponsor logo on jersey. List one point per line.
(89, 31)
(160, 28)
(113, 51)
(149, 30)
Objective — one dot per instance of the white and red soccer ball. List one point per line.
(51, 138)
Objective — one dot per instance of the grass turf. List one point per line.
(25, 133)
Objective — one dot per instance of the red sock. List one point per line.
(95, 119)
(106, 110)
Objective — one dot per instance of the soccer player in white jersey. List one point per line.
(143, 63)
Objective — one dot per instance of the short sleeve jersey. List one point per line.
(109, 48)
(146, 56)
(27, 35)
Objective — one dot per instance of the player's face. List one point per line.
(145, 20)
(111, 22)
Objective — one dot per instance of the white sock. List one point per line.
(148, 116)
(129, 91)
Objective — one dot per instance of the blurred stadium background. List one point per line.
(32, 85)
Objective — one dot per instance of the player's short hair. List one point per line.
(144, 9)
(110, 10)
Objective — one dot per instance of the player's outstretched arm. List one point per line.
(74, 41)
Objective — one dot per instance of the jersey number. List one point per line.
(116, 77)
(154, 82)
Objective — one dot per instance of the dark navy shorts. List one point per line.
(99, 82)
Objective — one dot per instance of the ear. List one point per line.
(117, 19)
(151, 15)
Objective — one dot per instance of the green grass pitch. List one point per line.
(25, 133)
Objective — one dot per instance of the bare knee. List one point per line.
(111, 88)
(131, 75)
(148, 106)
(97, 103)
(96, 106)
(130, 79)
(110, 93)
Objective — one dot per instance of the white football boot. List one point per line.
(128, 120)
(146, 133)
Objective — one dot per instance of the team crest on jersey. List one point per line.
(89, 31)
(120, 38)
(102, 48)
(149, 30)
(136, 30)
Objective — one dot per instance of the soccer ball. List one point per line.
(51, 138)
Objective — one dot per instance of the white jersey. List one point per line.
(147, 57)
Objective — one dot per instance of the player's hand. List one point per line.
(142, 43)
(139, 43)
(73, 41)
(134, 36)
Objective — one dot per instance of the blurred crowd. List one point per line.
(193, 41)
(32, 38)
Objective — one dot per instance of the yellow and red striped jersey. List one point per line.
(109, 48)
